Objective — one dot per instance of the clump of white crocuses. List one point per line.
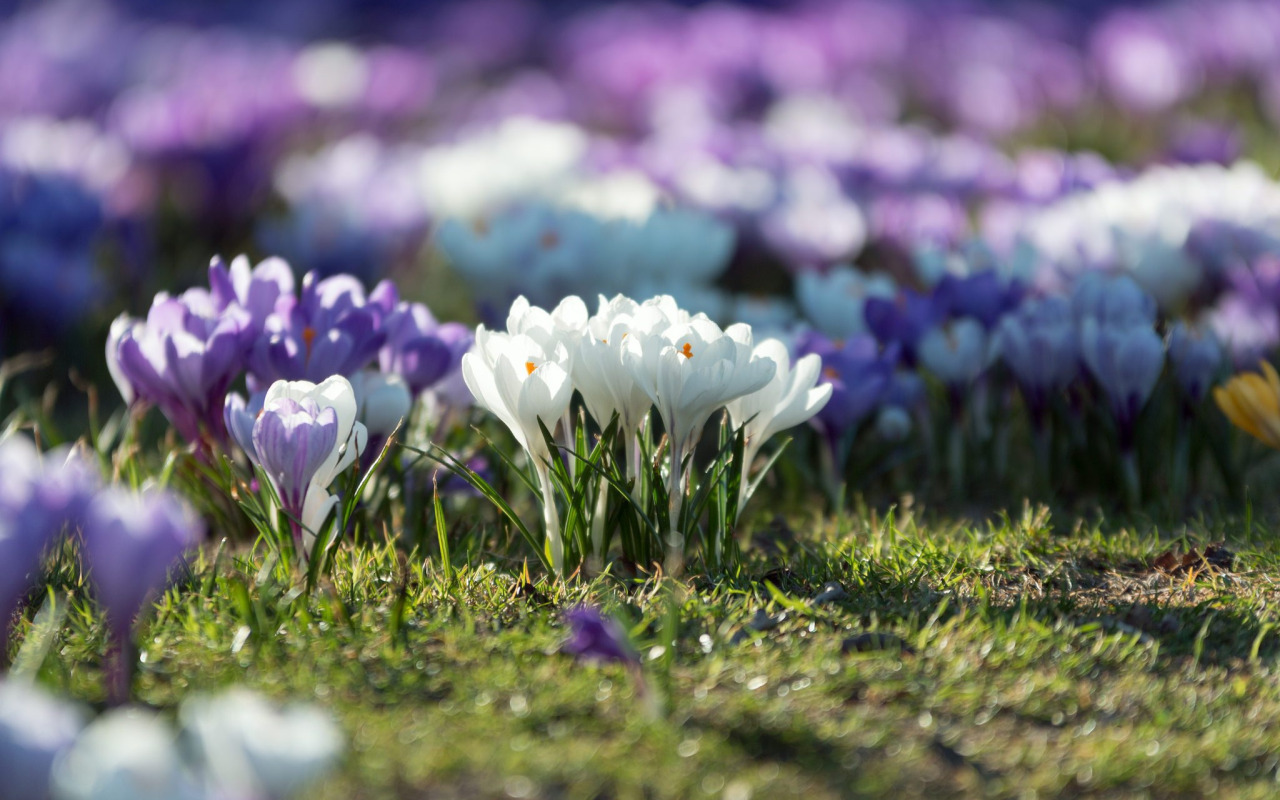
(625, 361)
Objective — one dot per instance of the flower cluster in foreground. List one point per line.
(626, 361)
(128, 540)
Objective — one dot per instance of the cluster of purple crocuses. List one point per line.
(128, 541)
(253, 321)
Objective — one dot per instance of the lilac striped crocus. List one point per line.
(131, 542)
(181, 359)
(332, 328)
(303, 437)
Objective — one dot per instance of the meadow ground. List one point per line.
(1024, 656)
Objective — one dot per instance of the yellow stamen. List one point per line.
(687, 350)
(529, 367)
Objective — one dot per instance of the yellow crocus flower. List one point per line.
(1252, 403)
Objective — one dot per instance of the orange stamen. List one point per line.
(308, 336)
(549, 240)
(530, 367)
(832, 373)
(687, 350)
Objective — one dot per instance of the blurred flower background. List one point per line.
(934, 188)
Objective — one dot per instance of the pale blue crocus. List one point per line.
(834, 302)
(1113, 300)
(1039, 344)
(1126, 361)
(1196, 355)
(957, 352)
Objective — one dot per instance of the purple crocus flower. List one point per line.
(39, 496)
(131, 542)
(292, 439)
(903, 321)
(20, 551)
(1249, 331)
(860, 375)
(1196, 356)
(331, 329)
(258, 290)
(420, 349)
(1126, 361)
(182, 360)
(1039, 343)
(597, 638)
(984, 295)
(239, 417)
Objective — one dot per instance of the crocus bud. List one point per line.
(1196, 355)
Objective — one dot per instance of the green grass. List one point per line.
(1048, 660)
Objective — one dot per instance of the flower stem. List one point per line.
(118, 672)
(955, 459)
(675, 496)
(1182, 459)
(1132, 485)
(632, 445)
(551, 518)
(598, 519)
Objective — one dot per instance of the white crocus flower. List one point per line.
(252, 749)
(124, 755)
(601, 373)
(520, 382)
(792, 397)
(603, 378)
(565, 325)
(337, 393)
(689, 371)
